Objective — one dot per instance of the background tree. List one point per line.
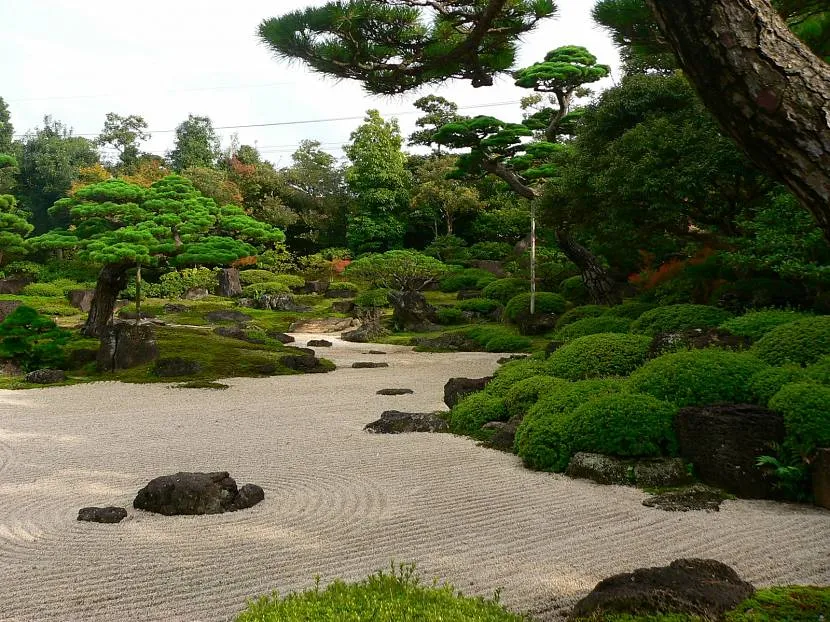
(6, 128)
(196, 144)
(8, 172)
(436, 198)
(124, 135)
(13, 229)
(438, 111)
(379, 182)
(214, 183)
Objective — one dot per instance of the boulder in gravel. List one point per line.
(512, 357)
(647, 472)
(46, 376)
(696, 497)
(395, 392)
(368, 365)
(504, 436)
(698, 587)
(305, 363)
(281, 337)
(375, 352)
(174, 366)
(249, 495)
(319, 343)
(364, 333)
(456, 388)
(195, 493)
(228, 315)
(724, 442)
(109, 514)
(396, 422)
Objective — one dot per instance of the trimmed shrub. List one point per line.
(493, 251)
(574, 290)
(819, 371)
(756, 324)
(546, 303)
(580, 313)
(31, 340)
(174, 284)
(806, 410)
(250, 277)
(474, 410)
(261, 289)
(510, 373)
(630, 310)
(343, 286)
(627, 424)
(597, 356)
(767, 382)
(24, 268)
(448, 316)
(468, 278)
(592, 326)
(521, 396)
(373, 298)
(699, 377)
(482, 306)
(676, 318)
(57, 288)
(503, 290)
(801, 342)
(543, 437)
(508, 343)
(289, 280)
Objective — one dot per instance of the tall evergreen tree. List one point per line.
(124, 135)
(6, 128)
(196, 144)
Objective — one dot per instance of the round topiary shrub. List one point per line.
(250, 277)
(592, 326)
(525, 393)
(626, 424)
(676, 318)
(289, 280)
(806, 410)
(546, 303)
(502, 290)
(801, 342)
(262, 289)
(819, 371)
(508, 343)
(756, 324)
(344, 286)
(699, 377)
(767, 382)
(630, 310)
(481, 306)
(447, 316)
(474, 410)
(373, 298)
(468, 278)
(543, 437)
(574, 290)
(596, 356)
(510, 373)
(57, 288)
(579, 313)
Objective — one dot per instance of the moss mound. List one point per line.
(806, 410)
(546, 303)
(503, 290)
(580, 313)
(597, 356)
(474, 410)
(510, 373)
(801, 342)
(676, 318)
(521, 396)
(756, 324)
(592, 326)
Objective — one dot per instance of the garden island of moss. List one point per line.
(570, 361)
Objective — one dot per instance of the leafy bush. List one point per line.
(579, 313)
(519, 306)
(175, 284)
(806, 410)
(494, 251)
(402, 270)
(626, 424)
(31, 340)
(675, 318)
(756, 324)
(819, 371)
(447, 248)
(250, 277)
(56, 289)
(512, 372)
(543, 437)
(468, 278)
(502, 290)
(482, 306)
(343, 286)
(373, 298)
(265, 289)
(802, 342)
(382, 597)
(592, 326)
(596, 356)
(521, 396)
(289, 280)
(630, 310)
(508, 343)
(767, 382)
(25, 269)
(574, 290)
(699, 377)
(474, 410)
(447, 316)
(280, 260)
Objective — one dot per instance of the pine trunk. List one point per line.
(768, 91)
(598, 281)
(111, 280)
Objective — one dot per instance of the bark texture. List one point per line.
(111, 280)
(598, 281)
(766, 89)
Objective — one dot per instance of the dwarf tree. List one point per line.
(13, 229)
(438, 111)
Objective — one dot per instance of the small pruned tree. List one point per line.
(13, 229)
(31, 340)
(438, 111)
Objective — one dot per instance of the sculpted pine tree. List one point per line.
(13, 229)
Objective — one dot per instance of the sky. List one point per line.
(163, 60)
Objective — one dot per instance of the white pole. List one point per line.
(532, 257)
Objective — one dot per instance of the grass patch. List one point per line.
(47, 305)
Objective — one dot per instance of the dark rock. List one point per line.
(396, 422)
(13, 285)
(343, 306)
(175, 307)
(236, 332)
(495, 268)
(821, 478)
(395, 392)
(46, 376)
(333, 292)
(196, 493)
(368, 365)
(453, 342)
(80, 357)
(125, 345)
(10, 368)
(552, 347)
(81, 298)
(266, 369)
(228, 315)
(110, 514)
(494, 425)
(504, 436)
(364, 333)
(646, 472)
(281, 337)
(133, 315)
(696, 339)
(7, 307)
(697, 497)
(324, 325)
(700, 587)
(319, 343)
(315, 287)
(376, 352)
(456, 388)
(308, 364)
(724, 442)
(536, 324)
(176, 366)
(468, 294)
(196, 293)
(229, 284)
(280, 302)
(412, 312)
(512, 357)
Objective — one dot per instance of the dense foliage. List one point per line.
(597, 356)
(31, 340)
(803, 342)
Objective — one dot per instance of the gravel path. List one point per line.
(339, 501)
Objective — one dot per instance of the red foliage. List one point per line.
(339, 265)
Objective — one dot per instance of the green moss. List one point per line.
(630, 310)
(819, 371)
(448, 316)
(756, 324)
(794, 603)
(592, 326)
(474, 410)
(675, 318)
(597, 356)
(801, 342)
(525, 393)
(47, 305)
(482, 306)
(767, 382)
(503, 290)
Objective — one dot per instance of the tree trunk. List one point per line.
(111, 280)
(768, 91)
(598, 281)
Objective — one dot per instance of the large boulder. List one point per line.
(196, 293)
(7, 307)
(345, 307)
(79, 357)
(324, 325)
(280, 302)
(125, 345)
(236, 332)
(697, 587)
(278, 336)
(81, 298)
(646, 472)
(315, 287)
(195, 493)
(496, 268)
(456, 388)
(46, 376)
(368, 364)
(319, 343)
(396, 422)
(412, 312)
(723, 443)
(13, 285)
(305, 363)
(229, 284)
(821, 478)
(536, 324)
(504, 436)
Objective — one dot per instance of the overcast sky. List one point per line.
(166, 59)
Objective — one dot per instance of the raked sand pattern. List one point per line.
(339, 501)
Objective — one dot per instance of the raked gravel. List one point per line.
(339, 502)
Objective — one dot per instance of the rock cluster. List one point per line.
(196, 493)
